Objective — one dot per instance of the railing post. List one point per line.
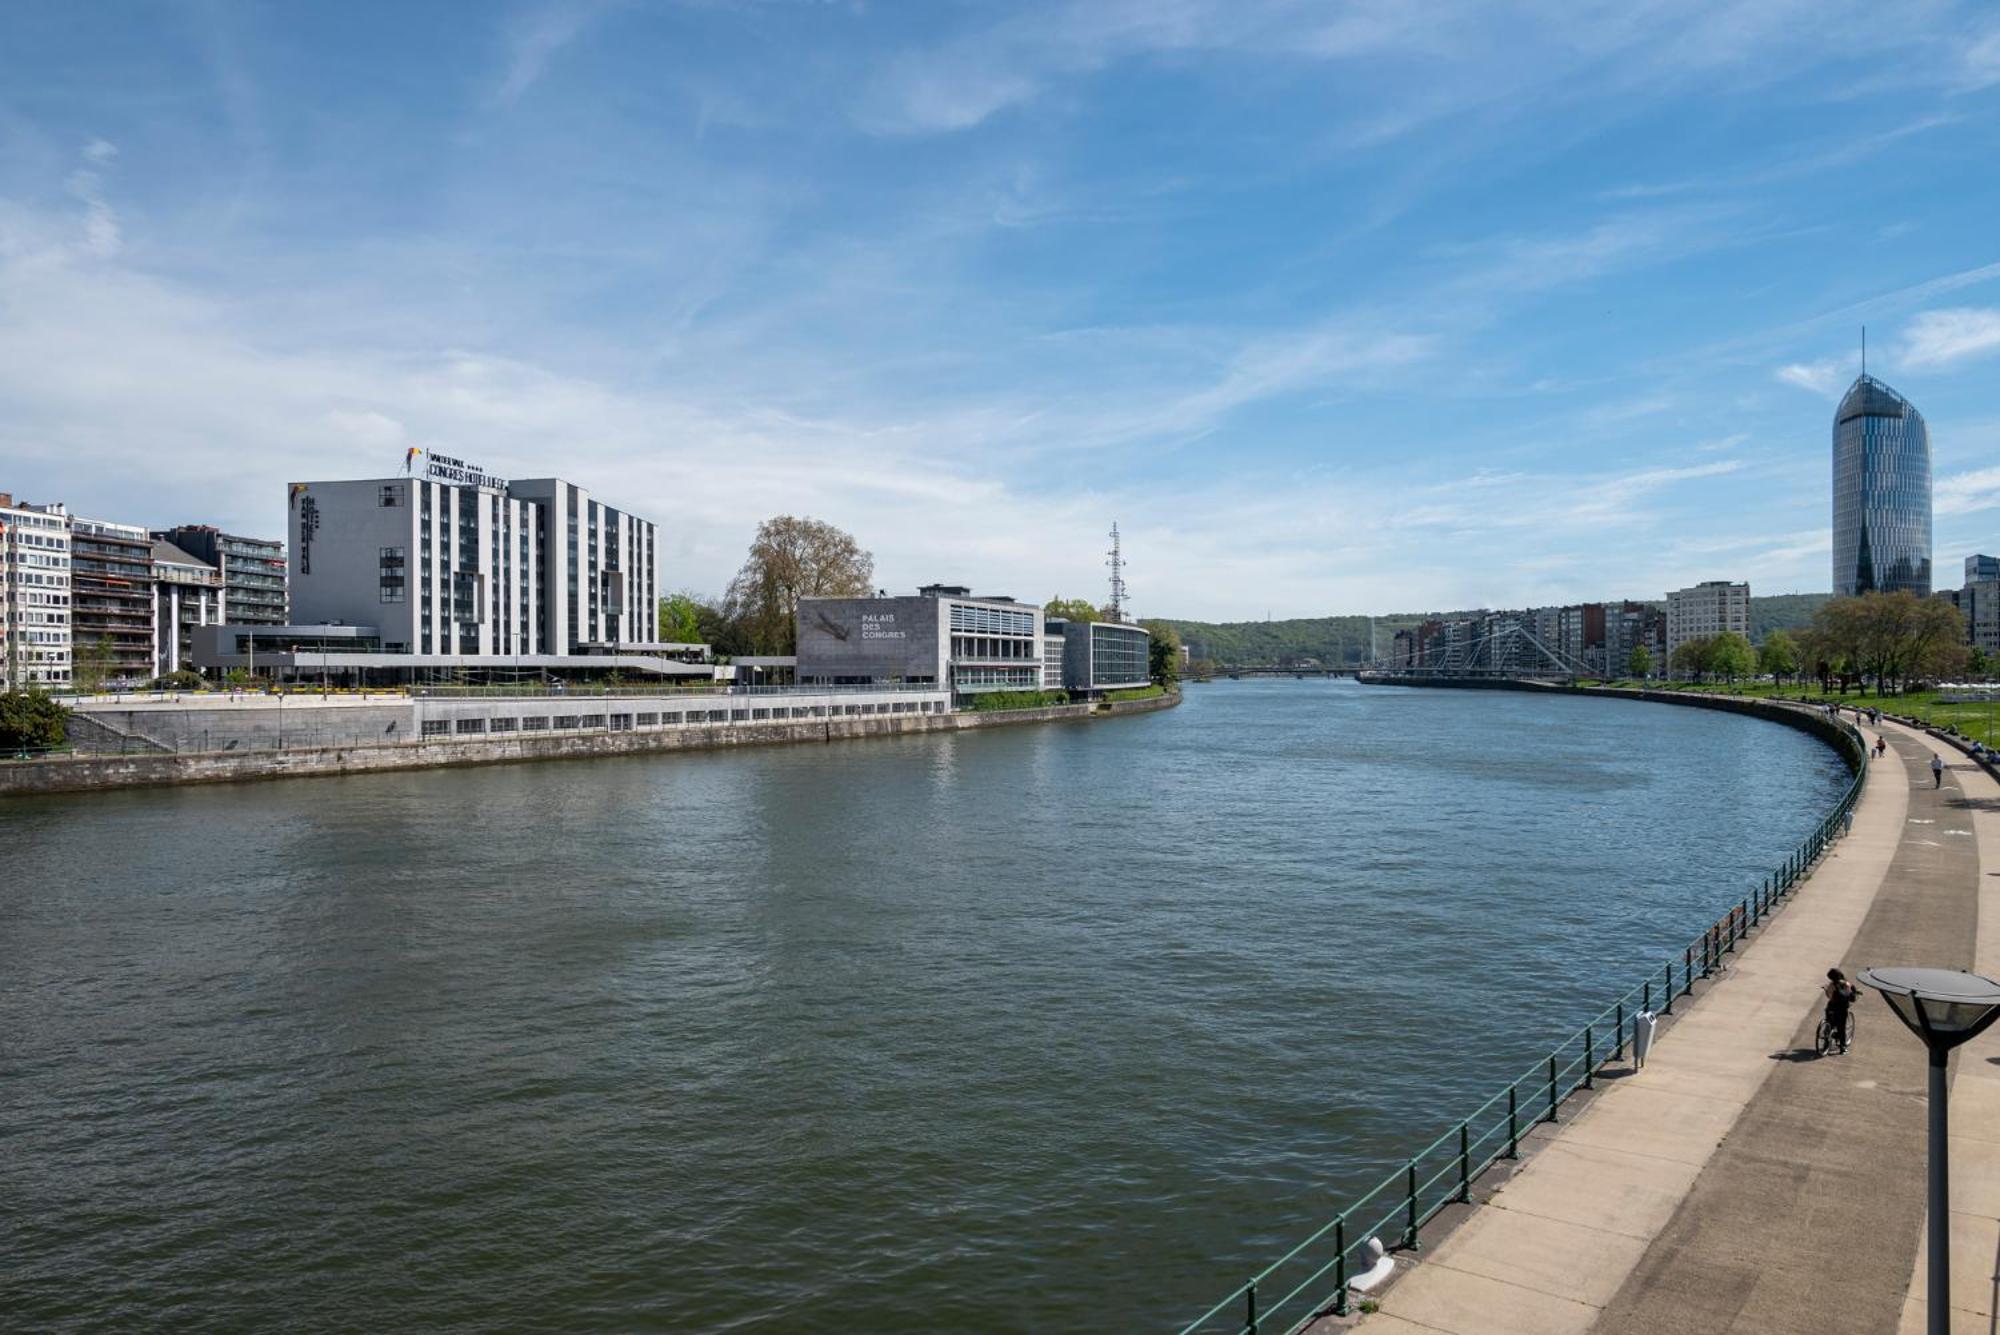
(1464, 1162)
(1646, 1001)
(1621, 1032)
(1589, 1057)
(1687, 971)
(1410, 1183)
(1513, 1121)
(1340, 1265)
(1250, 1314)
(1552, 1087)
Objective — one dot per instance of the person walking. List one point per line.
(1937, 770)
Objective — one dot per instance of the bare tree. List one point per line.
(791, 559)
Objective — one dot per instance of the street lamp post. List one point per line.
(1943, 1007)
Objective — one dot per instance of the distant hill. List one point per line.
(1339, 641)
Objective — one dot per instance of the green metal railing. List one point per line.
(1311, 1279)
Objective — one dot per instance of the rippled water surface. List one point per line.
(1057, 1027)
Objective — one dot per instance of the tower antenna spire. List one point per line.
(1117, 564)
(1864, 350)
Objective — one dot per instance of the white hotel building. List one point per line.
(455, 568)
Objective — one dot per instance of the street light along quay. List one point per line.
(1943, 1007)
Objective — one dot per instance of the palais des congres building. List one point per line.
(452, 567)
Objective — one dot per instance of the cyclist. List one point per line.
(1840, 996)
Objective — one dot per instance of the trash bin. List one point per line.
(1643, 1025)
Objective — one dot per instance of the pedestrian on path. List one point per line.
(1937, 770)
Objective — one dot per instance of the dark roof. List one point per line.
(172, 555)
(1869, 397)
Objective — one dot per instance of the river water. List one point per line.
(1055, 1027)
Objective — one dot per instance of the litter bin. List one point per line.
(1643, 1025)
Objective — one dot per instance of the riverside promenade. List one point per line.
(1738, 1183)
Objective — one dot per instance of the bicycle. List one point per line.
(1824, 1039)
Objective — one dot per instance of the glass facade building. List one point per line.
(1881, 493)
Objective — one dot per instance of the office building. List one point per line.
(1101, 656)
(941, 636)
(1881, 493)
(253, 571)
(34, 595)
(1981, 568)
(1707, 609)
(111, 603)
(187, 594)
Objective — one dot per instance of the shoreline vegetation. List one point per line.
(1945, 710)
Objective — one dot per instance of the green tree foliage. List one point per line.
(1640, 662)
(186, 679)
(1072, 609)
(1163, 652)
(680, 618)
(991, 701)
(1730, 656)
(1778, 656)
(1895, 638)
(1694, 658)
(31, 720)
(790, 559)
(92, 665)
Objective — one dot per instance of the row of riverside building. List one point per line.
(137, 596)
(1589, 638)
(450, 573)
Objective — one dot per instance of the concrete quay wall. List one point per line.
(84, 774)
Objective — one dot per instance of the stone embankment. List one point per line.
(87, 773)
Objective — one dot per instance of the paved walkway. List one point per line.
(1737, 1183)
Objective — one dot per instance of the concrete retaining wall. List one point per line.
(79, 774)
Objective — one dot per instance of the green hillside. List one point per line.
(1338, 641)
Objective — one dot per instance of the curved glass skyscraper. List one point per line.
(1881, 493)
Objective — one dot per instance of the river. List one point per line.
(1057, 1027)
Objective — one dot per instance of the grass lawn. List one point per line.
(1978, 720)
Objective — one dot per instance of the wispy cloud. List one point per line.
(533, 37)
(101, 236)
(1936, 338)
(1964, 493)
(1826, 377)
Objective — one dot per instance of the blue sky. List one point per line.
(1334, 307)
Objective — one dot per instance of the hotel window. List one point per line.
(394, 582)
(391, 497)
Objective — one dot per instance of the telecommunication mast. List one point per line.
(1117, 564)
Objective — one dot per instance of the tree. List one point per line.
(1978, 663)
(680, 619)
(790, 559)
(1640, 662)
(93, 664)
(1730, 656)
(1076, 609)
(1692, 657)
(1893, 637)
(1778, 656)
(1163, 652)
(31, 719)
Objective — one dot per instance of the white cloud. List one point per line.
(1964, 493)
(101, 236)
(1826, 377)
(535, 37)
(1936, 338)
